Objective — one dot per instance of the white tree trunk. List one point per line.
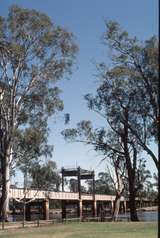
(120, 188)
(6, 184)
(116, 208)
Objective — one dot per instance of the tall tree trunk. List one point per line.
(4, 208)
(119, 190)
(131, 168)
(116, 207)
(132, 202)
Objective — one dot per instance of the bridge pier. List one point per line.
(46, 209)
(124, 206)
(28, 212)
(63, 205)
(94, 208)
(80, 209)
(112, 206)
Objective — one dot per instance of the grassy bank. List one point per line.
(86, 230)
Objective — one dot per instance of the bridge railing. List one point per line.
(42, 194)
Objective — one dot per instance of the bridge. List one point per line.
(95, 202)
(43, 198)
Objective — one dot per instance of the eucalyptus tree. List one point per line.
(34, 54)
(137, 63)
(30, 148)
(45, 176)
(126, 99)
(120, 152)
(143, 184)
(118, 177)
(103, 184)
(155, 176)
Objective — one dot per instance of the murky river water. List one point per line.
(143, 216)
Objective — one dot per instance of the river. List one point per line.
(142, 215)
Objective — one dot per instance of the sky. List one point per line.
(85, 18)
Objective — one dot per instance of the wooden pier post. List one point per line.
(28, 212)
(46, 209)
(63, 202)
(80, 209)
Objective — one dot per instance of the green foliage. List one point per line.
(45, 176)
(127, 93)
(144, 186)
(103, 185)
(142, 175)
(155, 176)
(137, 64)
(126, 100)
(30, 147)
(34, 55)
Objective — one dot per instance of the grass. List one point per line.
(86, 230)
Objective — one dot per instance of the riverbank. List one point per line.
(147, 209)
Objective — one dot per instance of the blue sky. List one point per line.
(85, 18)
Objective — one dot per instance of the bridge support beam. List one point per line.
(46, 209)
